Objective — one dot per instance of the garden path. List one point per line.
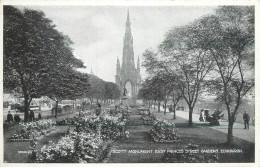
(238, 129)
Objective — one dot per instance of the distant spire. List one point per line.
(118, 62)
(128, 62)
(118, 66)
(138, 64)
(128, 23)
(91, 72)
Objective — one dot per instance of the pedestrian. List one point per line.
(98, 109)
(201, 116)
(170, 110)
(9, 117)
(17, 118)
(39, 116)
(246, 118)
(31, 115)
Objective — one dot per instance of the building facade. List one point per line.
(128, 77)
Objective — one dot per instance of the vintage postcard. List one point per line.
(129, 82)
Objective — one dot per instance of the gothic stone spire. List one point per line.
(128, 51)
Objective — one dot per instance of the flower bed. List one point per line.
(76, 147)
(164, 132)
(32, 130)
(187, 157)
(109, 127)
(90, 141)
(68, 121)
(148, 119)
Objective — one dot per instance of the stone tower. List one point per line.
(128, 75)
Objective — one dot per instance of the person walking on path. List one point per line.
(31, 115)
(98, 109)
(39, 116)
(9, 117)
(202, 116)
(171, 110)
(246, 118)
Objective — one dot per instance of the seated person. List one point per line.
(39, 116)
(17, 118)
(9, 117)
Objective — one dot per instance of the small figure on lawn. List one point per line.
(31, 116)
(9, 117)
(202, 116)
(149, 112)
(98, 110)
(39, 116)
(246, 118)
(17, 118)
(171, 110)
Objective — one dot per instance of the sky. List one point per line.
(97, 31)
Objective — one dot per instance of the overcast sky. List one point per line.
(98, 31)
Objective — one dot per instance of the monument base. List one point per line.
(127, 101)
(124, 101)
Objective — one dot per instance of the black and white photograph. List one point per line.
(128, 84)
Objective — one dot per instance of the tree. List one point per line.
(156, 84)
(176, 95)
(108, 93)
(229, 37)
(186, 65)
(111, 91)
(33, 51)
(96, 88)
(152, 90)
(145, 94)
(67, 84)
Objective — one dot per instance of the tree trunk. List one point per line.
(230, 133)
(159, 105)
(26, 109)
(174, 111)
(174, 115)
(190, 115)
(165, 103)
(56, 108)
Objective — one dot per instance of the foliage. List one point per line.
(164, 131)
(36, 55)
(32, 130)
(229, 35)
(187, 66)
(148, 119)
(214, 53)
(76, 148)
(100, 89)
(107, 125)
(89, 142)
